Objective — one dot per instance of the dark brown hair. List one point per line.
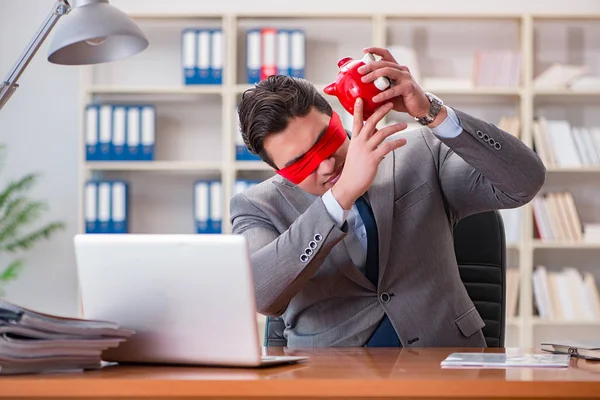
(268, 107)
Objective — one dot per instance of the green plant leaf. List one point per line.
(27, 242)
(11, 208)
(17, 186)
(29, 212)
(11, 271)
(16, 212)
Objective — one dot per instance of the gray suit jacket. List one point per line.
(420, 192)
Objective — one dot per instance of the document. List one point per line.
(32, 342)
(489, 360)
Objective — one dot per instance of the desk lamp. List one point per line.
(94, 32)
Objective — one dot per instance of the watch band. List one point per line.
(435, 106)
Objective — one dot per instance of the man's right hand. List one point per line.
(365, 152)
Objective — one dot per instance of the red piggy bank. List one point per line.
(348, 86)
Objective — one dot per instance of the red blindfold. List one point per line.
(334, 137)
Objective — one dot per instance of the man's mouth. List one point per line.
(336, 176)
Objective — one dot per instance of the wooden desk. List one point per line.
(331, 373)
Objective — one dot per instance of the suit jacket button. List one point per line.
(304, 258)
(480, 134)
(497, 146)
(312, 244)
(411, 341)
(318, 238)
(385, 297)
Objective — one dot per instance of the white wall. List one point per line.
(39, 127)
(40, 123)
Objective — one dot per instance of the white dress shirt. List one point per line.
(356, 239)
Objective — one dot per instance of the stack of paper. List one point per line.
(31, 342)
(502, 360)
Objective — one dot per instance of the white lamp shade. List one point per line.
(95, 32)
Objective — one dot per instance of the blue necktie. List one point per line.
(384, 335)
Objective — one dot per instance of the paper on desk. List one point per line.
(483, 360)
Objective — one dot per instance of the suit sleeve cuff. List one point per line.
(450, 127)
(335, 211)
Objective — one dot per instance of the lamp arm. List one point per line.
(9, 84)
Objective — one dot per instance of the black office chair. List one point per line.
(480, 248)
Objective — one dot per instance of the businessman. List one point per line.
(351, 241)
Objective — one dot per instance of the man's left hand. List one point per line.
(405, 92)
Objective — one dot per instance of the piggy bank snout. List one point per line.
(330, 89)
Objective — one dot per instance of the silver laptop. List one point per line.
(189, 298)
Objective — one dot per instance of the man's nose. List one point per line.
(327, 166)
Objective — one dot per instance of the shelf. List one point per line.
(198, 122)
(242, 87)
(157, 90)
(456, 16)
(165, 166)
(491, 91)
(162, 16)
(252, 166)
(565, 92)
(569, 245)
(545, 322)
(476, 91)
(576, 170)
(303, 15)
(565, 17)
(359, 14)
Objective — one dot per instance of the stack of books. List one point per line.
(556, 217)
(560, 143)
(32, 342)
(566, 294)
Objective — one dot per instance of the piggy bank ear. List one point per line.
(343, 61)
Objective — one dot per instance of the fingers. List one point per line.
(384, 53)
(373, 120)
(377, 66)
(388, 147)
(394, 74)
(358, 118)
(402, 87)
(380, 136)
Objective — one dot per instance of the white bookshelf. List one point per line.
(196, 124)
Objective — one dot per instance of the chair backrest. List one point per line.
(480, 248)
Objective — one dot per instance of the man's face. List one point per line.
(300, 136)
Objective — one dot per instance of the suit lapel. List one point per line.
(381, 198)
(298, 199)
(339, 256)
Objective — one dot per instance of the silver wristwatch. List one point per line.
(434, 109)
